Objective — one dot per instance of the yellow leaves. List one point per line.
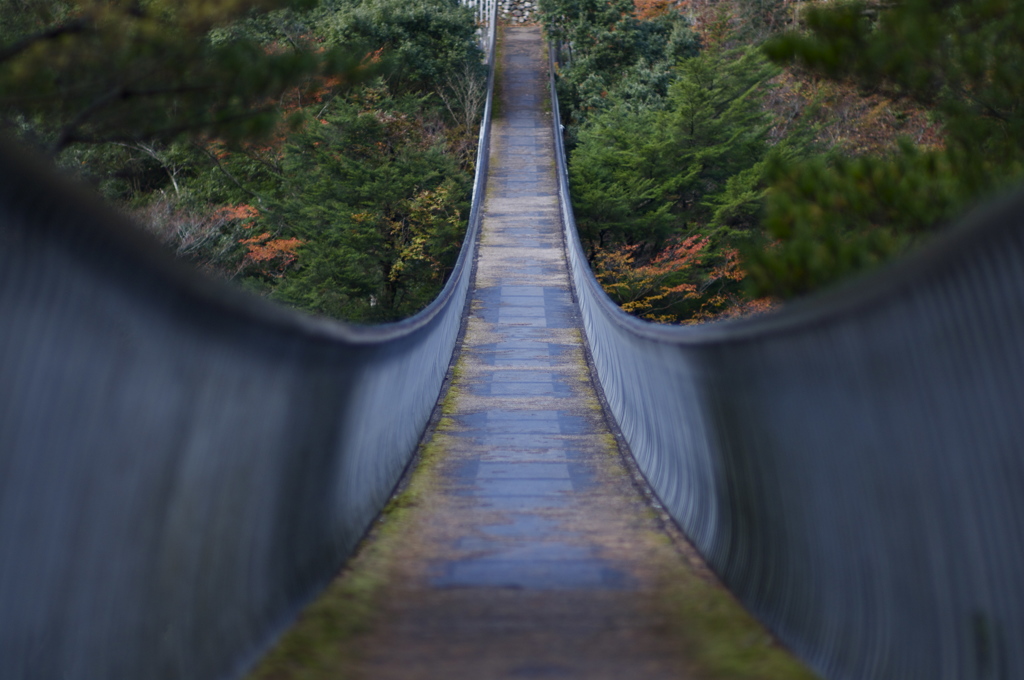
(413, 234)
(412, 249)
(425, 217)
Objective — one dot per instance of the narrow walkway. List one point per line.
(536, 557)
(522, 547)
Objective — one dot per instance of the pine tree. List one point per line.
(834, 216)
(96, 71)
(641, 176)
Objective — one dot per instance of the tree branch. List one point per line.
(169, 131)
(992, 111)
(11, 51)
(227, 173)
(69, 134)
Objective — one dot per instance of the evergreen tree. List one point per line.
(379, 208)
(662, 195)
(423, 41)
(835, 216)
(612, 58)
(316, 154)
(641, 176)
(97, 71)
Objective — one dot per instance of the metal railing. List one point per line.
(182, 466)
(486, 18)
(852, 466)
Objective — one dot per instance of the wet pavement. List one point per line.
(535, 555)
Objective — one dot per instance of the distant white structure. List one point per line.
(485, 10)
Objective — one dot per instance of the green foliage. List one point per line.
(424, 40)
(618, 191)
(611, 58)
(690, 173)
(834, 217)
(94, 71)
(736, 209)
(693, 164)
(717, 126)
(668, 152)
(380, 209)
(364, 207)
(319, 155)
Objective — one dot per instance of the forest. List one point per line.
(725, 155)
(729, 155)
(318, 153)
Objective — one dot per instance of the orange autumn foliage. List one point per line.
(666, 290)
(649, 290)
(269, 256)
(241, 211)
(650, 9)
(720, 301)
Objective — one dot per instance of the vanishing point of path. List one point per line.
(522, 547)
(535, 556)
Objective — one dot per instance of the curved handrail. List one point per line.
(183, 466)
(850, 466)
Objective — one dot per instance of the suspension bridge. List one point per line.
(183, 467)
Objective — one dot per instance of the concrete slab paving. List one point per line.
(523, 547)
(534, 557)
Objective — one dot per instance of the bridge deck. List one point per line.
(536, 556)
(529, 551)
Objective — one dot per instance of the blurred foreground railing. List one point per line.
(853, 466)
(182, 467)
